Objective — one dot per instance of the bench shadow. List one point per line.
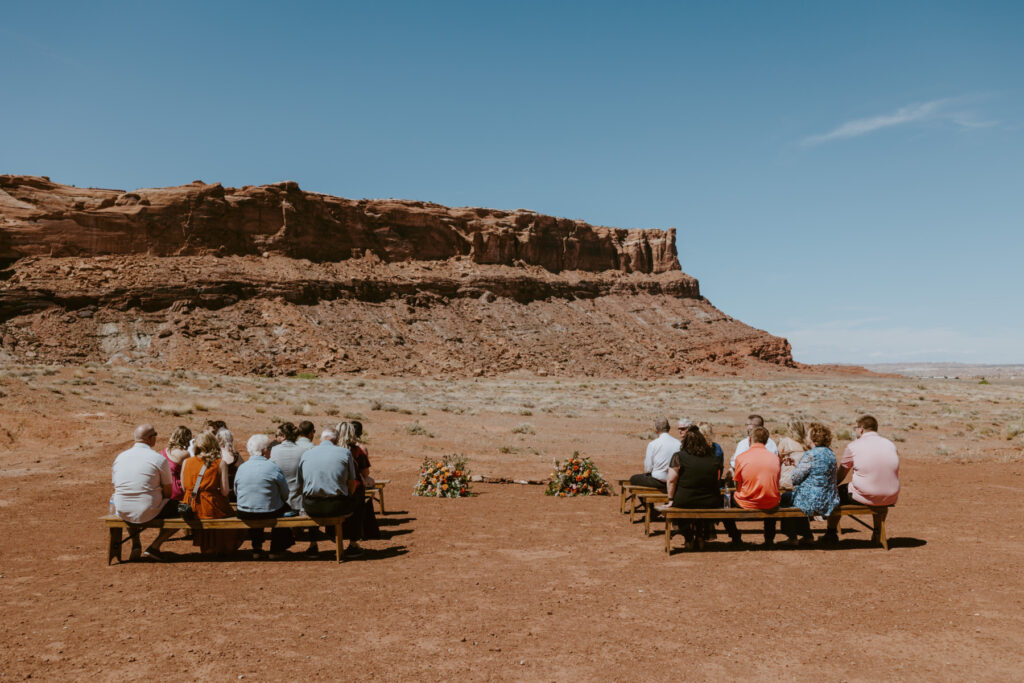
(389, 533)
(391, 521)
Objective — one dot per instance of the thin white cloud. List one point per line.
(935, 110)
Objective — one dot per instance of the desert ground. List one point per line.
(510, 583)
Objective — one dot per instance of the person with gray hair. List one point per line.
(657, 457)
(262, 494)
(142, 490)
(329, 482)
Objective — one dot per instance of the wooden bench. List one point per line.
(628, 492)
(116, 525)
(376, 492)
(739, 514)
(650, 499)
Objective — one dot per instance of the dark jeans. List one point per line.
(794, 526)
(647, 480)
(280, 539)
(734, 533)
(333, 507)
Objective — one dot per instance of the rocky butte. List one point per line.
(274, 280)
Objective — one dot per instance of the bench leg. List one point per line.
(339, 537)
(114, 545)
(880, 530)
(381, 493)
(668, 535)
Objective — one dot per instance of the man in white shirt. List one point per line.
(753, 422)
(657, 458)
(142, 490)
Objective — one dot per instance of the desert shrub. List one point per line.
(1014, 428)
(359, 417)
(416, 429)
(305, 375)
(844, 435)
(576, 477)
(524, 428)
(444, 478)
(306, 409)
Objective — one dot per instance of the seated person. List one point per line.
(790, 452)
(370, 528)
(657, 458)
(204, 477)
(327, 476)
(286, 455)
(175, 453)
(693, 482)
(709, 436)
(226, 441)
(306, 434)
(262, 493)
(142, 490)
(876, 472)
(757, 484)
(210, 427)
(814, 485)
(753, 422)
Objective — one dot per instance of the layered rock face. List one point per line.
(272, 280)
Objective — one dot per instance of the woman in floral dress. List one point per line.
(814, 485)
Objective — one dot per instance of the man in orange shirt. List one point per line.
(757, 483)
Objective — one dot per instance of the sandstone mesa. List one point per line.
(274, 280)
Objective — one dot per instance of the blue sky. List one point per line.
(848, 175)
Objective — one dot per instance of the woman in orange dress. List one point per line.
(212, 499)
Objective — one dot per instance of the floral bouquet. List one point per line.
(444, 478)
(577, 477)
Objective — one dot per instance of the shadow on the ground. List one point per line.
(392, 521)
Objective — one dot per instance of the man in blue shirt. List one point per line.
(262, 492)
(326, 474)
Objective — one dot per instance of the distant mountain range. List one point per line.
(962, 370)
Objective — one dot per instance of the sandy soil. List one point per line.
(511, 584)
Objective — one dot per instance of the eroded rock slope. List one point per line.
(274, 280)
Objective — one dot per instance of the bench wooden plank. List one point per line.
(628, 492)
(116, 524)
(376, 492)
(878, 513)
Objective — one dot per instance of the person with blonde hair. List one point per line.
(709, 435)
(226, 441)
(814, 485)
(175, 454)
(205, 478)
(791, 449)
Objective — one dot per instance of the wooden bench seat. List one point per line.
(376, 492)
(116, 525)
(739, 514)
(628, 493)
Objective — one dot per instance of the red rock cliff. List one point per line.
(42, 218)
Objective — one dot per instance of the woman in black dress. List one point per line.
(693, 482)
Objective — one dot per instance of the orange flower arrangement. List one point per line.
(577, 477)
(445, 478)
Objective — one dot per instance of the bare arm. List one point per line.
(670, 483)
(225, 484)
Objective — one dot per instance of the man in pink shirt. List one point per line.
(876, 471)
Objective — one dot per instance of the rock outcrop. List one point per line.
(42, 218)
(272, 280)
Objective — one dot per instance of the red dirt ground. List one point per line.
(509, 584)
